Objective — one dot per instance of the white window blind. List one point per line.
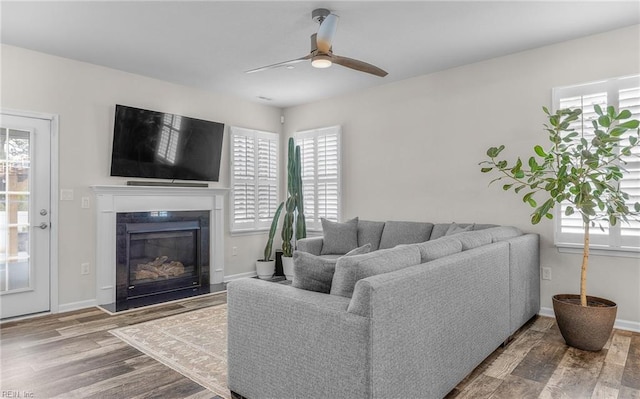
(254, 179)
(622, 93)
(320, 157)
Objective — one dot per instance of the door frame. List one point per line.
(53, 234)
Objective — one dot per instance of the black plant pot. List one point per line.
(584, 327)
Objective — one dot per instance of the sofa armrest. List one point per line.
(312, 245)
(288, 342)
(431, 324)
(524, 279)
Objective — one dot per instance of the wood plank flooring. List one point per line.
(72, 355)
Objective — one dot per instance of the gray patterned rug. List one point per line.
(193, 343)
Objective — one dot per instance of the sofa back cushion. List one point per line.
(350, 269)
(339, 238)
(435, 249)
(396, 233)
(473, 239)
(503, 233)
(440, 229)
(370, 232)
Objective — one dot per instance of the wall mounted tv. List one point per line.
(160, 145)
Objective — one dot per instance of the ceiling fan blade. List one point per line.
(281, 64)
(326, 32)
(358, 65)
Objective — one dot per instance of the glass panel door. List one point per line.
(25, 200)
(15, 170)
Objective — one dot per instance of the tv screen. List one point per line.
(160, 145)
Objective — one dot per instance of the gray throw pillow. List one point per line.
(339, 238)
(350, 269)
(315, 273)
(365, 249)
(455, 229)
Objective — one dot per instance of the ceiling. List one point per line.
(209, 44)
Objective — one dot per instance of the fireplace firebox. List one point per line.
(161, 256)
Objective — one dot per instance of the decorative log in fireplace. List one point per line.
(159, 267)
(161, 256)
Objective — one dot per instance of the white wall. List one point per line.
(411, 149)
(84, 97)
(422, 137)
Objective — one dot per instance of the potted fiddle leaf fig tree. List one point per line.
(582, 171)
(294, 209)
(266, 267)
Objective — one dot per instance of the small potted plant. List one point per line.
(294, 214)
(583, 173)
(266, 267)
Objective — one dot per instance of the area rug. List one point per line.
(192, 343)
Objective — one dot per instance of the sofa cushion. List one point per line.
(396, 233)
(370, 233)
(339, 238)
(435, 249)
(473, 239)
(455, 228)
(503, 233)
(363, 249)
(315, 273)
(440, 229)
(481, 226)
(350, 269)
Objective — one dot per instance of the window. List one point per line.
(622, 93)
(254, 179)
(320, 157)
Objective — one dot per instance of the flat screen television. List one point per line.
(152, 144)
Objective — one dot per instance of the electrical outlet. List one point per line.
(546, 273)
(84, 203)
(84, 268)
(234, 251)
(66, 194)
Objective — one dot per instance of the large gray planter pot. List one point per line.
(587, 328)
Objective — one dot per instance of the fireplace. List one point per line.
(155, 244)
(161, 256)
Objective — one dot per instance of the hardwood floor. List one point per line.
(72, 355)
(538, 364)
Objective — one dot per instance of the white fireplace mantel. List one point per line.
(113, 199)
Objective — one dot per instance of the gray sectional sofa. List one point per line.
(409, 319)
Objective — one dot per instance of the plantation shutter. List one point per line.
(254, 179)
(320, 158)
(630, 233)
(622, 93)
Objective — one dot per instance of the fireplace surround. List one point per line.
(159, 219)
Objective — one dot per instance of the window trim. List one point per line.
(612, 243)
(256, 227)
(315, 227)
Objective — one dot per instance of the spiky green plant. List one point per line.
(268, 249)
(294, 204)
(301, 224)
(584, 173)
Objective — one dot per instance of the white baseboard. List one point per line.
(239, 276)
(68, 307)
(619, 323)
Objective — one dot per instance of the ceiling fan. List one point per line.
(321, 54)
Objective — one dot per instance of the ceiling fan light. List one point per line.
(321, 61)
